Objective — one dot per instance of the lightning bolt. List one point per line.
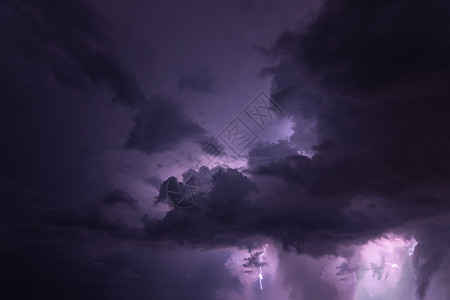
(260, 275)
(393, 265)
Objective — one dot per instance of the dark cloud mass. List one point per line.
(160, 125)
(375, 79)
(69, 41)
(364, 85)
(119, 196)
(379, 69)
(199, 80)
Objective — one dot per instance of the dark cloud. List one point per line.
(366, 84)
(63, 270)
(92, 218)
(380, 108)
(160, 125)
(60, 67)
(72, 44)
(254, 260)
(372, 76)
(235, 212)
(199, 80)
(269, 153)
(120, 196)
(294, 212)
(211, 146)
(206, 223)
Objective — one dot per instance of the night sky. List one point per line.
(230, 149)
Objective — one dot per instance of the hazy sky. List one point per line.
(186, 149)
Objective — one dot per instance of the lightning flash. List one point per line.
(395, 266)
(260, 275)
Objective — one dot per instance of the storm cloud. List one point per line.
(98, 119)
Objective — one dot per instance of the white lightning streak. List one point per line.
(393, 265)
(260, 275)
